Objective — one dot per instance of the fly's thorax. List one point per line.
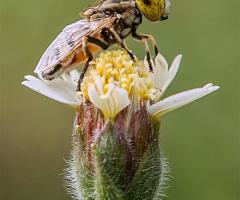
(108, 7)
(128, 16)
(129, 20)
(126, 11)
(116, 5)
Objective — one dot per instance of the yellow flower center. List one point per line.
(117, 67)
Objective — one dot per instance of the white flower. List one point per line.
(121, 81)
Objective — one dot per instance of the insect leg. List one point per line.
(121, 42)
(144, 38)
(90, 57)
(148, 56)
(82, 74)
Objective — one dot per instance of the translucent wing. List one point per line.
(70, 39)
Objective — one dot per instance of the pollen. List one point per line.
(117, 67)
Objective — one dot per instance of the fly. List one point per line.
(106, 23)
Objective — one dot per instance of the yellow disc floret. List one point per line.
(117, 67)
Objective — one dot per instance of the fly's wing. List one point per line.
(70, 39)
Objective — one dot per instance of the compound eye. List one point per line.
(151, 9)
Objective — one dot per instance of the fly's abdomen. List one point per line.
(73, 60)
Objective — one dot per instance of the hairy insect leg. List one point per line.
(82, 74)
(89, 55)
(121, 42)
(144, 38)
(148, 56)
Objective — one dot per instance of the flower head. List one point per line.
(114, 81)
(116, 136)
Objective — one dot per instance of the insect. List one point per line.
(105, 23)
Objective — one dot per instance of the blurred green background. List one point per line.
(201, 140)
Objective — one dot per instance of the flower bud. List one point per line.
(116, 150)
(115, 159)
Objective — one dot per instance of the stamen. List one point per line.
(117, 67)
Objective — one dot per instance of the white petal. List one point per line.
(99, 85)
(175, 101)
(111, 103)
(161, 71)
(74, 74)
(65, 77)
(71, 77)
(172, 72)
(58, 89)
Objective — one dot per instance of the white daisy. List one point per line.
(114, 81)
